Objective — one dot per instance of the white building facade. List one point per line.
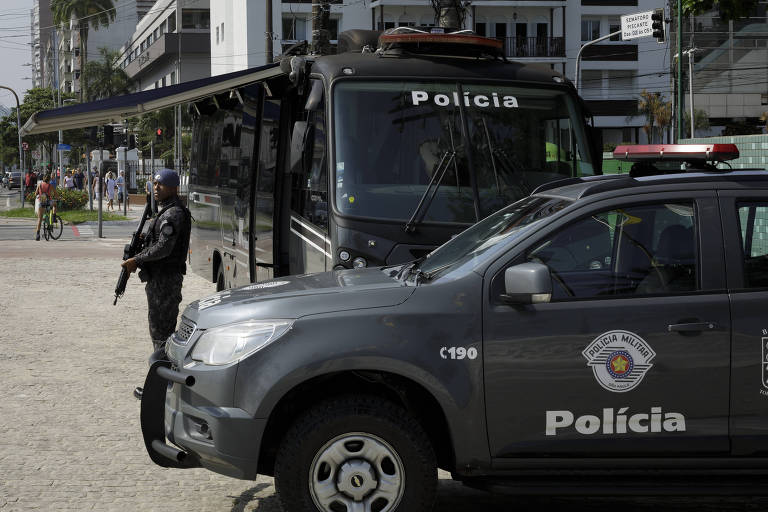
(150, 57)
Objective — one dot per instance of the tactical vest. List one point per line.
(176, 261)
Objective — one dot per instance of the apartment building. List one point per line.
(730, 70)
(41, 22)
(544, 32)
(61, 50)
(150, 57)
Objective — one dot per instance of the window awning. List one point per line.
(114, 110)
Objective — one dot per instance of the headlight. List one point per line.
(230, 343)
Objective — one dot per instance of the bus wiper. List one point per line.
(508, 163)
(436, 180)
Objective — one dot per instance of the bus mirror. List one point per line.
(299, 150)
(596, 138)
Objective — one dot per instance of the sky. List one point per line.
(14, 49)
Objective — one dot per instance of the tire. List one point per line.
(46, 229)
(57, 227)
(220, 281)
(372, 438)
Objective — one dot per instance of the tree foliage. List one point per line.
(700, 121)
(729, 9)
(657, 113)
(105, 78)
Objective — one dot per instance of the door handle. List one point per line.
(692, 327)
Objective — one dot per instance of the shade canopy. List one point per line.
(118, 108)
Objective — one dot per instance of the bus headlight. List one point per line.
(230, 343)
(359, 262)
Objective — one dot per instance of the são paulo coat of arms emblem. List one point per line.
(619, 360)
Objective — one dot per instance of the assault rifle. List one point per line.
(130, 251)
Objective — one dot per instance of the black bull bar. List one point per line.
(153, 414)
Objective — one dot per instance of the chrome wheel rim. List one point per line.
(356, 472)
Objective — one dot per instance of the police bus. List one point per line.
(375, 155)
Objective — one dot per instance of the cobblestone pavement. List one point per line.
(70, 427)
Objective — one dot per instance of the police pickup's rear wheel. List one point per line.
(356, 454)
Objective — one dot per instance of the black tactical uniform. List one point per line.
(162, 264)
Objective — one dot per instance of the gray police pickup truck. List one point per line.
(606, 334)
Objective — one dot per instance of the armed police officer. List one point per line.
(162, 261)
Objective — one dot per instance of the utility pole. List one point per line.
(449, 13)
(321, 19)
(58, 103)
(679, 70)
(177, 108)
(269, 32)
(690, 84)
(21, 152)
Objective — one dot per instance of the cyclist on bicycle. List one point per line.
(44, 193)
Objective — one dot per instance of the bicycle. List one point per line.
(52, 226)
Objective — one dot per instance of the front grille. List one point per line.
(184, 332)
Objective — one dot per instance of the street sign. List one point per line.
(63, 147)
(25, 146)
(636, 25)
(36, 154)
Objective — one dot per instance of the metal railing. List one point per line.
(519, 47)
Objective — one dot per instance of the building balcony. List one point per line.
(534, 47)
(167, 46)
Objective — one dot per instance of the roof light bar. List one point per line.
(655, 152)
(467, 39)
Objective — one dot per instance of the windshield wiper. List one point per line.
(436, 180)
(507, 163)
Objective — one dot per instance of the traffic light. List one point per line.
(109, 135)
(159, 135)
(658, 24)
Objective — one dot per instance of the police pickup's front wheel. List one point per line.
(356, 454)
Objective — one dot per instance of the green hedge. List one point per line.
(66, 199)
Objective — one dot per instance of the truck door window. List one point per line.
(753, 221)
(637, 250)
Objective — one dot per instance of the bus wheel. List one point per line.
(356, 453)
(220, 281)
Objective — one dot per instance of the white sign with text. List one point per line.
(636, 25)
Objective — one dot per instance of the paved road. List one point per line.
(70, 432)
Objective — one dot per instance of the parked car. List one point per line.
(606, 334)
(14, 179)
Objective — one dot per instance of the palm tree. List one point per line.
(104, 78)
(657, 112)
(89, 14)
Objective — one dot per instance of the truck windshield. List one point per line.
(488, 234)
(476, 147)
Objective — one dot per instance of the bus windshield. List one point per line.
(450, 152)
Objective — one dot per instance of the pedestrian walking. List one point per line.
(69, 181)
(79, 179)
(110, 186)
(97, 186)
(120, 189)
(162, 261)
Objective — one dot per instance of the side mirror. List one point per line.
(527, 283)
(299, 152)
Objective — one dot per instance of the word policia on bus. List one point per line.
(479, 100)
